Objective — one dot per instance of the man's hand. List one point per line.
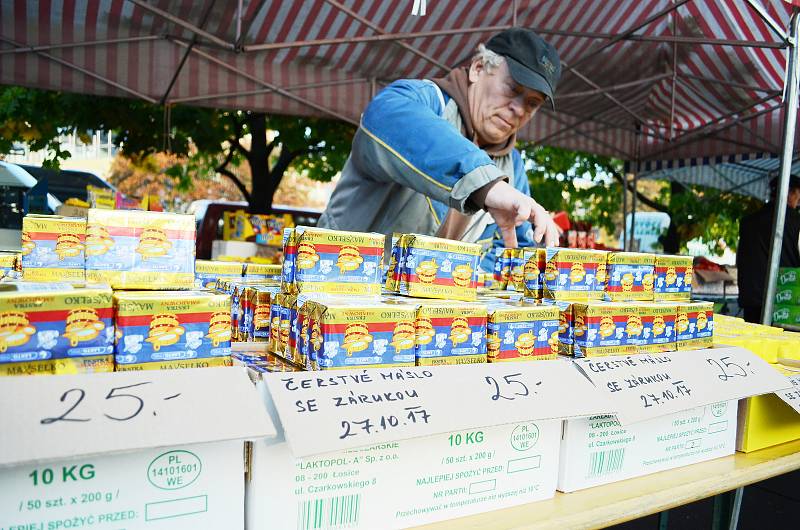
(510, 208)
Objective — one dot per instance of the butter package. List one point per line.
(289, 260)
(395, 262)
(786, 314)
(573, 274)
(156, 326)
(338, 262)
(440, 268)
(534, 262)
(131, 249)
(658, 327)
(263, 271)
(53, 248)
(630, 276)
(41, 322)
(673, 278)
(502, 269)
(354, 336)
(257, 312)
(565, 325)
(205, 362)
(605, 328)
(518, 332)
(450, 333)
(788, 277)
(207, 272)
(694, 325)
(10, 265)
(516, 276)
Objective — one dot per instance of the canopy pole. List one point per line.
(790, 120)
(632, 246)
(625, 211)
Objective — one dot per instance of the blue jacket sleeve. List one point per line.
(403, 138)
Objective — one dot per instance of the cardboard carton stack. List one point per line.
(147, 258)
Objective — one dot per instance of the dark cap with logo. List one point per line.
(533, 63)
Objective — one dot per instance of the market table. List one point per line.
(623, 501)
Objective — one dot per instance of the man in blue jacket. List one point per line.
(437, 157)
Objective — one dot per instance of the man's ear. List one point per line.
(474, 70)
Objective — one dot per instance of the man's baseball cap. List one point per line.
(533, 63)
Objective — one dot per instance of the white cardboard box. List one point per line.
(154, 450)
(242, 249)
(598, 450)
(401, 483)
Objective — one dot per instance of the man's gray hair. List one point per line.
(490, 59)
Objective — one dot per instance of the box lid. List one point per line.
(57, 417)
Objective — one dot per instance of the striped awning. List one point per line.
(643, 79)
(746, 173)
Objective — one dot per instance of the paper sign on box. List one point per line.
(154, 450)
(645, 386)
(326, 411)
(791, 396)
(403, 483)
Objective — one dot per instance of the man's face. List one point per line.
(793, 200)
(498, 106)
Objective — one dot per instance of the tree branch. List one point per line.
(228, 173)
(642, 198)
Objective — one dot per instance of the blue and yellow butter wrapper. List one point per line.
(337, 262)
(44, 321)
(450, 333)
(53, 248)
(574, 274)
(289, 260)
(10, 265)
(658, 327)
(534, 261)
(631, 276)
(131, 249)
(673, 278)
(605, 328)
(522, 332)
(157, 326)
(439, 268)
(396, 260)
(565, 324)
(207, 272)
(362, 334)
(694, 325)
(205, 362)
(263, 271)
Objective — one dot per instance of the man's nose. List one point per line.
(517, 106)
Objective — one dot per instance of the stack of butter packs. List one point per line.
(110, 291)
(611, 303)
(787, 297)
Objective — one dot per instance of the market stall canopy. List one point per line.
(643, 79)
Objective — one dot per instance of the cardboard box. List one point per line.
(44, 322)
(598, 450)
(630, 276)
(52, 248)
(207, 272)
(157, 326)
(403, 483)
(241, 249)
(765, 421)
(674, 276)
(131, 249)
(439, 268)
(572, 274)
(182, 469)
(517, 332)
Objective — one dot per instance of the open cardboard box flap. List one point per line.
(58, 417)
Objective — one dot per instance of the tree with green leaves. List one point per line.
(696, 212)
(214, 139)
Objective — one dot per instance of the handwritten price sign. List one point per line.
(98, 413)
(792, 395)
(329, 411)
(645, 386)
